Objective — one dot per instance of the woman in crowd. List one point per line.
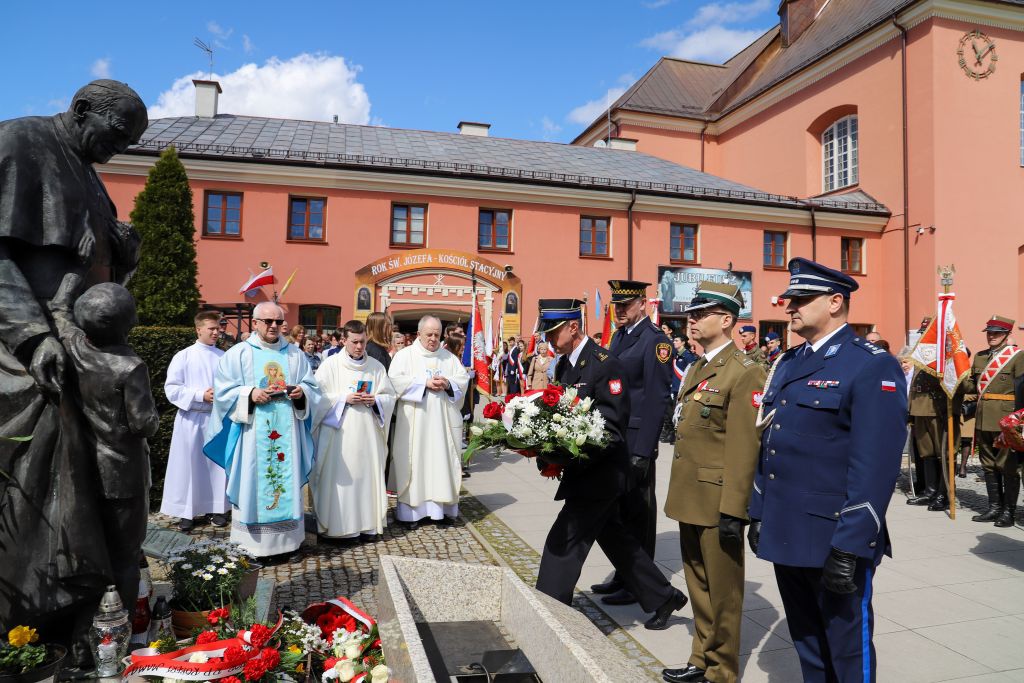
(397, 343)
(499, 376)
(297, 335)
(309, 348)
(537, 377)
(379, 334)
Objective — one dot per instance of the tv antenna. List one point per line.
(208, 50)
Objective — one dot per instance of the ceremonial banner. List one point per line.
(941, 350)
(479, 349)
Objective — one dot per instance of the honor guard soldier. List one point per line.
(774, 344)
(646, 356)
(749, 345)
(712, 473)
(833, 420)
(929, 422)
(992, 377)
(592, 489)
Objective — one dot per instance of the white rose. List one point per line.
(346, 670)
(198, 658)
(353, 650)
(581, 439)
(379, 674)
(561, 432)
(475, 431)
(586, 403)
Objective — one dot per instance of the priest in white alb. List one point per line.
(426, 468)
(347, 482)
(193, 485)
(260, 432)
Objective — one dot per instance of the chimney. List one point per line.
(796, 16)
(628, 144)
(472, 128)
(206, 98)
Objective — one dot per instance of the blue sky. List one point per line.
(536, 70)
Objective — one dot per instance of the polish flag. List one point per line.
(257, 281)
(479, 345)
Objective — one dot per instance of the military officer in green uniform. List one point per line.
(929, 425)
(992, 377)
(748, 344)
(713, 468)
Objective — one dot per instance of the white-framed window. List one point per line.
(839, 154)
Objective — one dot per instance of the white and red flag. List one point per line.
(479, 345)
(257, 281)
(941, 350)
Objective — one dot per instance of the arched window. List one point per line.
(839, 154)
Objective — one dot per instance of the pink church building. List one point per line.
(880, 137)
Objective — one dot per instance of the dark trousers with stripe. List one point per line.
(832, 633)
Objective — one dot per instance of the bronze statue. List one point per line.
(57, 221)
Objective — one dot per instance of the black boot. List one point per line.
(1010, 493)
(994, 487)
(931, 478)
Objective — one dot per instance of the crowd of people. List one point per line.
(367, 410)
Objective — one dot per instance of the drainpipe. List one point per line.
(814, 233)
(705, 127)
(629, 235)
(906, 178)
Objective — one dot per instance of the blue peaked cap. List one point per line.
(807, 278)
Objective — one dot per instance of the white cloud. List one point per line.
(100, 68)
(247, 45)
(218, 31)
(307, 86)
(586, 113)
(549, 128)
(712, 44)
(657, 4)
(728, 13)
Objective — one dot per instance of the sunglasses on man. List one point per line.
(269, 322)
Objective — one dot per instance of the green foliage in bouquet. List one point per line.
(206, 576)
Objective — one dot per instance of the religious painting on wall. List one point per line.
(678, 285)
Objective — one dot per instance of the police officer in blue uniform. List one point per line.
(646, 356)
(592, 489)
(833, 416)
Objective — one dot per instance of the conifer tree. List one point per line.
(164, 285)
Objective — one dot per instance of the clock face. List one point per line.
(977, 55)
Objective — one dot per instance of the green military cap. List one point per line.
(710, 294)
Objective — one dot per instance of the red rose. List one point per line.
(493, 410)
(376, 644)
(551, 397)
(206, 637)
(551, 471)
(329, 663)
(274, 435)
(259, 635)
(280, 457)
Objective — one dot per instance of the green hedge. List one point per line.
(156, 346)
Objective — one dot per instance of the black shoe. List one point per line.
(990, 515)
(659, 621)
(219, 521)
(369, 538)
(1007, 517)
(619, 597)
(925, 498)
(994, 489)
(685, 675)
(445, 521)
(186, 525)
(410, 526)
(940, 503)
(613, 586)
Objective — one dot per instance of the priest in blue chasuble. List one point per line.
(265, 395)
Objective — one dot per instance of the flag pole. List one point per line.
(946, 278)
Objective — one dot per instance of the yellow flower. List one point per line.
(299, 668)
(154, 645)
(22, 635)
(295, 649)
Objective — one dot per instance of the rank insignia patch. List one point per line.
(615, 386)
(664, 352)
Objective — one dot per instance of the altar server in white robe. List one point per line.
(347, 482)
(426, 467)
(260, 432)
(193, 485)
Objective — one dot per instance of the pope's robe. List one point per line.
(426, 467)
(194, 485)
(347, 482)
(266, 450)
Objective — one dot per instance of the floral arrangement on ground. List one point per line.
(331, 641)
(206, 575)
(553, 423)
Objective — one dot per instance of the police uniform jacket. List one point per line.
(716, 440)
(597, 375)
(646, 357)
(993, 409)
(831, 452)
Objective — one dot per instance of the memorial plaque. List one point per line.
(162, 543)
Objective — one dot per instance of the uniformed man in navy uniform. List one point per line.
(592, 489)
(834, 417)
(646, 356)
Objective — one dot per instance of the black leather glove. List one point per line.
(639, 469)
(754, 535)
(730, 529)
(837, 574)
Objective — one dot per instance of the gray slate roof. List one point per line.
(256, 139)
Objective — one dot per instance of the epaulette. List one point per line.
(868, 346)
